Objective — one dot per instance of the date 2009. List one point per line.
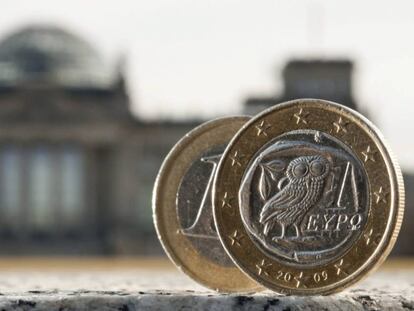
(289, 277)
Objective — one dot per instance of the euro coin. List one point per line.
(313, 195)
(182, 207)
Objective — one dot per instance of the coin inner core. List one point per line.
(304, 198)
(195, 209)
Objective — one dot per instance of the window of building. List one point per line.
(10, 186)
(42, 188)
(73, 185)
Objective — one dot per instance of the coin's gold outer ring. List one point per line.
(384, 218)
(177, 246)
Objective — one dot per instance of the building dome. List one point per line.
(52, 55)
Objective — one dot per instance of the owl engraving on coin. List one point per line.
(306, 178)
(304, 197)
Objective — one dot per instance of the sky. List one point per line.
(203, 58)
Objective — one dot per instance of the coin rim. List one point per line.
(394, 175)
(197, 267)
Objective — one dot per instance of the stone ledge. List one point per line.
(164, 300)
(165, 289)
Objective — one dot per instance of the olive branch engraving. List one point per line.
(269, 176)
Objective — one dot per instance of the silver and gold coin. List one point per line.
(308, 198)
(182, 206)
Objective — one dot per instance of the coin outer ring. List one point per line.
(384, 218)
(177, 246)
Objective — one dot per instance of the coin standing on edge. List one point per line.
(312, 193)
(182, 207)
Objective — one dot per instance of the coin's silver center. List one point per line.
(304, 198)
(195, 210)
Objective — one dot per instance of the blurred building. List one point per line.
(325, 79)
(76, 167)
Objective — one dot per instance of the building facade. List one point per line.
(325, 79)
(76, 167)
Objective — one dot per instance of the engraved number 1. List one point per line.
(203, 226)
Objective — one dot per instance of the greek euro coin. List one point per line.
(313, 196)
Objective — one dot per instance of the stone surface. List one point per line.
(163, 288)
